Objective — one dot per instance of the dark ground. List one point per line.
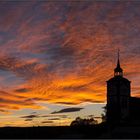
(82, 132)
(51, 132)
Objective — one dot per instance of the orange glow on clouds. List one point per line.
(63, 53)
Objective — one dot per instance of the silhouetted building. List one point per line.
(118, 96)
(135, 110)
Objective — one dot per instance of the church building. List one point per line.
(121, 107)
(118, 96)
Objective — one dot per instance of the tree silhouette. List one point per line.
(104, 114)
(82, 122)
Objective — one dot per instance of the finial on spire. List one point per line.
(118, 70)
(118, 64)
(118, 53)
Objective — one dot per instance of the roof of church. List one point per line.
(135, 100)
(118, 78)
(135, 107)
(118, 67)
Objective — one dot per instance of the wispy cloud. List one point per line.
(64, 52)
(28, 119)
(47, 122)
(55, 115)
(67, 110)
(30, 116)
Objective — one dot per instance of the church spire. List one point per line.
(118, 70)
(118, 63)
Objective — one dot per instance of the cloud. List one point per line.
(50, 117)
(66, 103)
(30, 116)
(4, 111)
(47, 122)
(34, 112)
(28, 119)
(59, 54)
(67, 110)
(11, 101)
(22, 90)
(55, 115)
(54, 119)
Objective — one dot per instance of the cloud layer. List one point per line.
(63, 52)
(67, 110)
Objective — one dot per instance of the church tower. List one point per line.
(118, 96)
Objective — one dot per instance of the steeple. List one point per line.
(118, 71)
(118, 96)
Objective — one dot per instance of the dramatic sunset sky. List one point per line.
(56, 56)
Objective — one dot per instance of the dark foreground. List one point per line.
(51, 132)
(97, 131)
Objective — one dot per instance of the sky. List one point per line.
(56, 56)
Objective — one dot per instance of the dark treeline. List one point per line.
(74, 131)
(53, 132)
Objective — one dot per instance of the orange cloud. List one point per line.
(65, 55)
